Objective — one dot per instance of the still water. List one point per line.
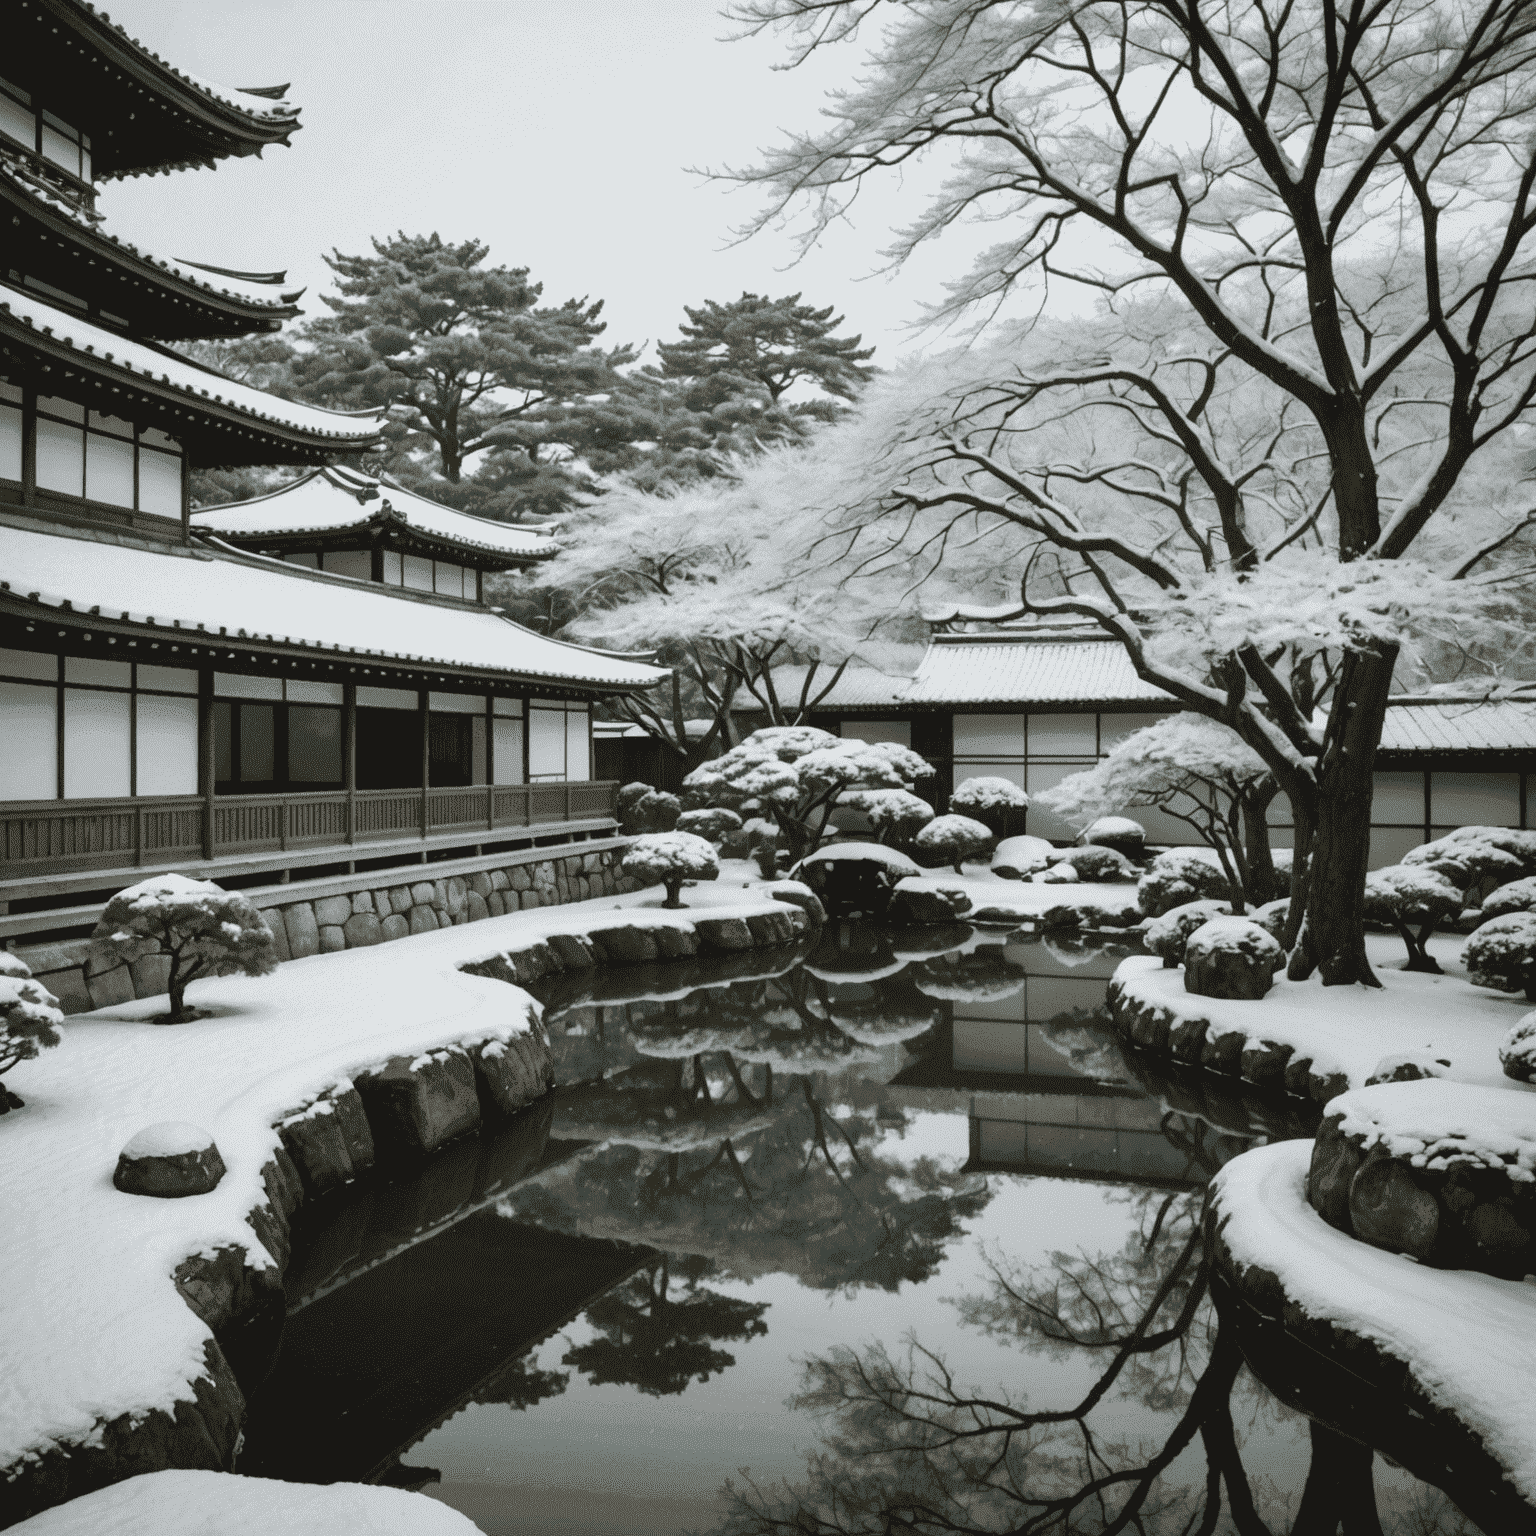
(892, 1239)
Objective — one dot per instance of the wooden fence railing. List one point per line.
(63, 836)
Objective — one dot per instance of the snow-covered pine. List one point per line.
(995, 802)
(797, 775)
(895, 814)
(953, 839)
(203, 929)
(668, 859)
(1409, 897)
(1502, 954)
(713, 825)
(1478, 859)
(29, 1019)
(1517, 896)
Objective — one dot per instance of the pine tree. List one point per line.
(469, 362)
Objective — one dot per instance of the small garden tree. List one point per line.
(29, 1020)
(995, 802)
(713, 825)
(670, 858)
(1197, 771)
(1502, 954)
(797, 774)
(200, 928)
(1478, 859)
(897, 815)
(954, 839)
(1412, 894)
(643, 809)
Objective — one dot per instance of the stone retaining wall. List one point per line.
(388, 906)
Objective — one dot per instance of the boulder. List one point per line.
(169, 1160)
(1128, 838)
(513, 1073)
(1167, 935)
(363, 929)
(723, 933)
(1388, 1210)
(795, 894)
(770, 928)
(573, 952)
(912, 904)
(303, 931)
(1407, 1067)
(1101, 865)
(624, 946)
(675, 943)
(415, 1105)
(1016, 857)
(333, 911)
(330, 1142)
(1230, 957)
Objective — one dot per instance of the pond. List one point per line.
(891, 1238)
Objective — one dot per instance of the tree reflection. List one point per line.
(660, 1342)
(908, 1446)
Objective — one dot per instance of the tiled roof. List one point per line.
(337, 498)
(206, 594)
(857, 688)
(1461, 725)
(1024, 671)
(150, 365)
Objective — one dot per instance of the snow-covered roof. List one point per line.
(858, 688)
(336, 498)
(252, 598)
(150, 365)
(1460, 725)
(1025, 670)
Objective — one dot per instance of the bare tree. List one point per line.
(1309, 228)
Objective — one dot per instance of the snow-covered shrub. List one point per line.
(1272, 917)
(897, 815)
(1063, 872)
(1117, 832)
(1502, 954)
(1478, 860)
(1167, 935)
(713, 825)
(796, 774)
(854, 879)
(669, 858)
(1196, 770)
(1407, 1067)
(1231, 957)
(1517, 896)
(1409, 896)
(1517, 1055)
(1017, 857)
(202, 929)
(1099, 864)
(29, 1020)
(953, 839)
(997, 803)
(1181, 875)
(643, 809)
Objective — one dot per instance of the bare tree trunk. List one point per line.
(1260, 857)
(1332, 940)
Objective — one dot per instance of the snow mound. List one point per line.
(1517, 1055)
(168, 1138)
(1432, 1124)
(221, 1504)
(874, 853)
(1469, 1339)
(1106, 827)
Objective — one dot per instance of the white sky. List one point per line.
(560, 131)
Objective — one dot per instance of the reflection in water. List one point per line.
(910, 1190)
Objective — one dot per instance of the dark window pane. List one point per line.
(258, 743)
(314, 745)
(388, 749)
(223, 743)
(450, 747)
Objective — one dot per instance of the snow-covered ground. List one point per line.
(1469, 1338)
(221, 1504)
(1351, 1029)
(95, 1327)
(1028, 900)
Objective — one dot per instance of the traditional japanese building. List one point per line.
(293, 691)
(1037, 702)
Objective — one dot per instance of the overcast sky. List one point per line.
(560, 131)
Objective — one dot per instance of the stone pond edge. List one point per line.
(399, 1109)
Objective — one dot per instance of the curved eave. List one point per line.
(212, 431)
(395, 534)
(233, 313)
(49, 608)
(210, 122)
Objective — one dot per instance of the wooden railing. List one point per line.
(64, 836)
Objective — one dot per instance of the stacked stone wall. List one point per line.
(393, 905)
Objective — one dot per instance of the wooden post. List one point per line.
(186, 498)
(423, 704)
(490, 762)
(349, 754)
(207, 755)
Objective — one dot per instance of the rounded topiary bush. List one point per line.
(643, 809)
(952, 840)
(714, 825)
(1517, 1055)
(1167, 935)
(1502, 954)
(1517, 896)
(1118, 832)
(997, 803)
(1016, 858)
(29, 1020)
(1181, 875)
(1100, 865)
(668, 859)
